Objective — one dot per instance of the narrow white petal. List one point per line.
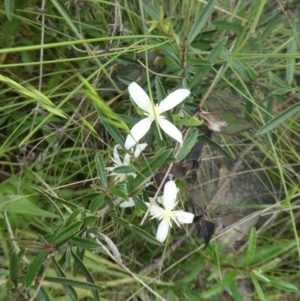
(126, 204)
(137, 132)
(163, 230)
(184, 217)
(159, 200)
(126, 160)
(139, 96)
(173, 99)
(170, 193)
(156, 211)
(170, 129)
(139, 149)
(116, 156)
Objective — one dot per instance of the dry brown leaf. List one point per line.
(213, 119)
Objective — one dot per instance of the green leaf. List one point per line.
(9, 8)
(67, 233)
(54, 199)
(22, 205)
(27, 58)
(211, 58)
(278, 283)
(70, 282)
(274, 79)
(67, 286)
(102, 106)
(14, 268)
(238, 65)
(136, 230)
(48, 197)
(268, 253)
(251, 246)
(86, 274)
(258, 288)
(235, 125)
(42, 294)
(160, 92)
(118, 192)
(101, 169)
(125, 169)
(215, 146)
(73, 215)
(153, 165)
(84, 243)
(290, 61)
(34, 95)
(281, 91)
(219, 287)
(97, 202)
(89, 221)
(33, 268)
(224, 25)
(193, 121)
(188, 145)
(279, 119)
(112, 129)
(200, 22)
(235, 292)
(290, 195)
(217, 50)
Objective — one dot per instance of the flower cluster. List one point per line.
(126, 161)
(166, 214)
(154, 112)
(163, 209)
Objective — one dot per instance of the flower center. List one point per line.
(153, 111)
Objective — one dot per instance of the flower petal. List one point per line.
(126, 161)
(137, 132)
(159, 200)
(116, 157)
(139, 96)
(170, 129)
(184, 217)
(173, 99)
(156, 211)
(163, 230)
(139, 149)
(170, 193)
(129, 203)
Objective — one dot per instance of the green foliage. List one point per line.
(65, 69)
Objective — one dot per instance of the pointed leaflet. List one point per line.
(251, 246)
(220, 286)
(290, 61)
(136, 230)
(200, 22)
(13, 268)
(279, 119)
(101, 169)
(60, 273)
(67, 233)
(86, 273)
(33, 268)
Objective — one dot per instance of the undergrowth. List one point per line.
(65, 72)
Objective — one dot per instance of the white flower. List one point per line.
(167, 214)
(153, 112)
(127, 204)
(118, 163)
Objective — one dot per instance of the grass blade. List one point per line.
(200, 22)
(273, 123)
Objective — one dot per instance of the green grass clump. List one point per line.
(65, 70)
